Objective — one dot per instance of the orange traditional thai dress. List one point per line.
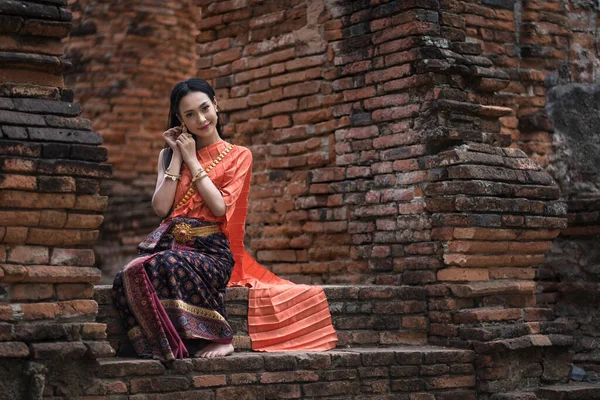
(281, 315)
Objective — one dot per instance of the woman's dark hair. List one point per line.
(179, 91)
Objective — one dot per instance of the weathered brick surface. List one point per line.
(362, 315)
(49, 159)
(391, 143)
(393, 372)
(128, 104)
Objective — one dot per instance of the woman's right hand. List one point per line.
(170, 136)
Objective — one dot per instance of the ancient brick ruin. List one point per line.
(431, 162)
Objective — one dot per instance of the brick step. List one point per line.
(418, 372)
(525, 395)
(523, 342)
(362, 315)
(499, 314)
(588, 361)
(573, 391)
(493, 288)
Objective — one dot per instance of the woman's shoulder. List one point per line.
(241, 151)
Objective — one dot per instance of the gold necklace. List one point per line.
(213, 164)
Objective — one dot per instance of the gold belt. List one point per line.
(183, 232)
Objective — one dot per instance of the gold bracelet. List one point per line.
(199, 175)
(172, 176)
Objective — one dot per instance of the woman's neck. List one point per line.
(203, 142)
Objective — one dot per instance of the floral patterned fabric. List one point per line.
(175, 291)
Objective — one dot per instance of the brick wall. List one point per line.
(403, 143)
(51, 167)
(127, 57)
(392, 166)
(550, 51)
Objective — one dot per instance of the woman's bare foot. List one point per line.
(213, 350)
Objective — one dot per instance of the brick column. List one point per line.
(273, 66)
(494, 210)
(127, 57)
(549, 49)
(51, 167)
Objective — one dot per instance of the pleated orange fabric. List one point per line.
(282, 316)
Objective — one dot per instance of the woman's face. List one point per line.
(199, 114)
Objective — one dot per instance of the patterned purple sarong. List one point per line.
(175, 291)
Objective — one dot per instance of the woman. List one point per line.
(171, 296)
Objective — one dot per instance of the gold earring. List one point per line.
(184, 128)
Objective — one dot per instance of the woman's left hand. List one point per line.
(187, 146)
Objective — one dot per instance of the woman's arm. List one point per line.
(208, 191)
(164, 194)
(206, 188)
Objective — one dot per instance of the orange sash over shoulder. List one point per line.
(281, 314)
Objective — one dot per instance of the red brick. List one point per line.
(292, 77)
(386, 101)
(55, 237)
(226, 56)
(15, 235)
(13, 350)
(19, 218)
(331, 388)
(52, 218)
(288, 376)
(28, 255)
(395, 113)
(512, 273)
(74, 291)
(39, 273)
(305, 62)
(312, 117)
(242, 379)
(115, 387)
(499, 247)
(281, 121)
(447, 382)
(487, 315)
(280, 107)
(93, 331)
(300, 89)
(357, 94)
(463, 274)
(90, 203)
(485, 234)
(83, 221)
(31, 291)
(56, 350)
(209, 381)
(24, 182)
(414, 322)
(238, 392)
(158, 384)
(498, 260)
(77, 257)
(37, 311)
(10, 164)
(403, 338)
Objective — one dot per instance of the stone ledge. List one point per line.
(524, 342)
(30, 9)
(48, 273)
(333, 293)
(514, 396)
(397, 371)
(363, 315)
(50, 64)
(491, 288)
(577, 391)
